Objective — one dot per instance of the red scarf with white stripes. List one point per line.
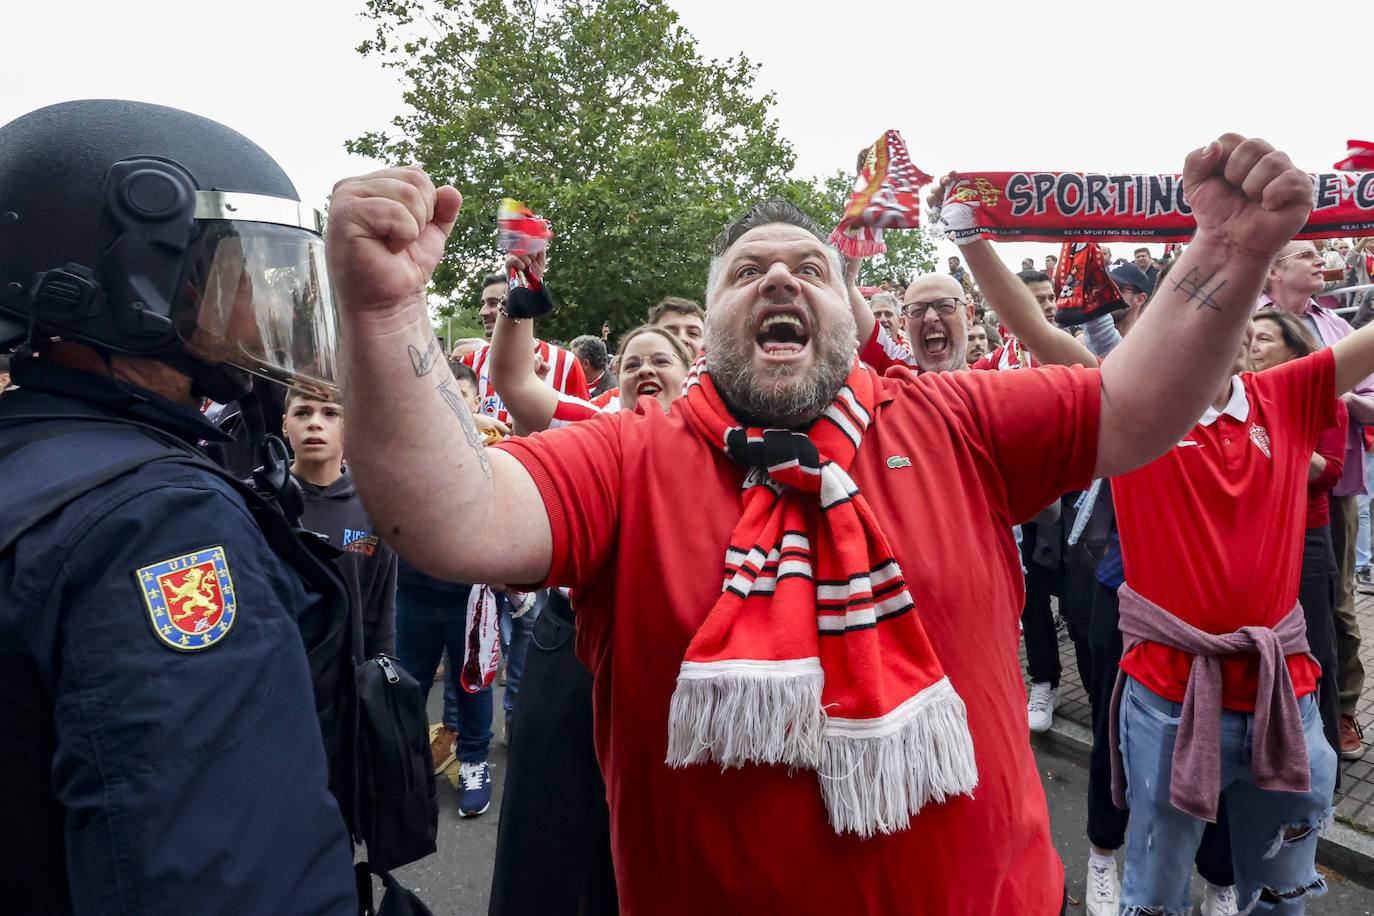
(814, 655)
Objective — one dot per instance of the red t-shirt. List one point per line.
(642, 507)
(1212, 531)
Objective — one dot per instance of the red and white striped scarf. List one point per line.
(814, 655)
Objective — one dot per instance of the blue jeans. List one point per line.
(515, 644)
(428, 622)
(1273, 833)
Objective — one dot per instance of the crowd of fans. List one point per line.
(1220, 705)
(1071, 552)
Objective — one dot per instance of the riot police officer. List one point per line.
(160, 750)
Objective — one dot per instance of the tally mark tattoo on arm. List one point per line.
(423, 363)
(1197, 290)
(460, 410)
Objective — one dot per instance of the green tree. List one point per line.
(600, 115)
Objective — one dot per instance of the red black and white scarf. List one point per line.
(814, 655)
(886, 195)
(1083, 287)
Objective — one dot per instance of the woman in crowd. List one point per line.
(653, 363)
(1279, 338)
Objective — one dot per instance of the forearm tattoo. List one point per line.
(1198, 292)
(423, 363)
(460, 410)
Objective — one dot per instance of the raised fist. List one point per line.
(386, 235)
(1246, 194)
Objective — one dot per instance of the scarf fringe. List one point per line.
(859, 246)
(745, 711)
(875, 774)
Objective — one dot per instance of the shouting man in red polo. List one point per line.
(799, 708)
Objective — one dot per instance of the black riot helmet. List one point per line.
(148, 231)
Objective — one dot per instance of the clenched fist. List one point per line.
(386, 235)
(1246, 194)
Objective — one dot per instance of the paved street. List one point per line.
(456, 880)
(1065, 779)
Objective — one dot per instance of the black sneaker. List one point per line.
(474, 788)
(1364, 582)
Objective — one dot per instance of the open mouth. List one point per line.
(935, 342)
(782, 334)
(649, 388)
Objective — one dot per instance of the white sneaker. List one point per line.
(1040, 707)
(1219, 901)
(1104, 891)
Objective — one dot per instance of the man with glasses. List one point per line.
(936, 318)
(1295, 277)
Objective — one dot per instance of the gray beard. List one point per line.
(776, 397)
(953, 361)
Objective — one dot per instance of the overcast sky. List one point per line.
(1117, 87)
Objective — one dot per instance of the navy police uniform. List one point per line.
(159, 748)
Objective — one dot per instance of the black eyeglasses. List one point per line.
(945, 306)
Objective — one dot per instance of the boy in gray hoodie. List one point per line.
(315, 431)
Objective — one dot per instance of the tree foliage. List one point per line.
(602, 116)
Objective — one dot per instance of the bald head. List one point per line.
(938, 342)
(933, 286)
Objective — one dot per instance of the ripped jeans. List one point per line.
(1273, 834)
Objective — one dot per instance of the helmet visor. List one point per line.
(257, 297)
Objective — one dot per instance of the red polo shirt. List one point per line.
(641, 509)
(1212, 531)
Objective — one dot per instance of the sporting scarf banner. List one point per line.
(886, 195)
(1054, 206)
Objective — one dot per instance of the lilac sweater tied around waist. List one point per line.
(1278, 748)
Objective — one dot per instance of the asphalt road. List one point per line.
(456, 880)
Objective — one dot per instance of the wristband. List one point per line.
(524, 302)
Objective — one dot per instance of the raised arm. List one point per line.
(1248, 201)
(1017, 309)
(863, 312)
(436, 494)
(511, 367)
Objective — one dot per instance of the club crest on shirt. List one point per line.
(1260, 436)
(190, 599)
